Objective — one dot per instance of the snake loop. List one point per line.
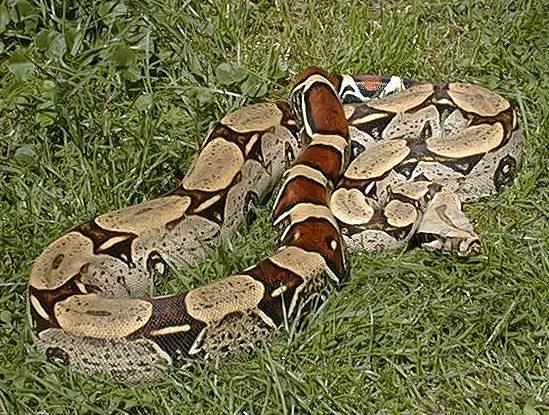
(360, 163)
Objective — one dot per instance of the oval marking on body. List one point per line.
(302, 263)
(400, 214)
(57, 261)
(146, 216)
(256, 117)
(477, 139)
(211, 302)
(351, 207)
(378, 160)
(405, 100)
(505, 171)
(217, 165)
(413, 190)
(476, 99)
(58, 356)
(48, 272)
(93, 316)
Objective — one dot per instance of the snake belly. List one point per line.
(389, 168)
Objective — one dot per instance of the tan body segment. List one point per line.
(417, 155)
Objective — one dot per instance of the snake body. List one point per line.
(363, 163)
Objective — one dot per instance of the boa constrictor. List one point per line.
(366, 163)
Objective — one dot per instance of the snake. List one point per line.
(356, 163)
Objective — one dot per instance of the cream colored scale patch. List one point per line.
(217, 165)
(405, 100)
(407, 125)
(476, 99)
(378, 160)
(258, 117)
(145, 216)
(478, 139)
(350, 207)
(400, 214)
(308, 265)
(412, 190)
(94, 316)
(61, 260)
(212, 302)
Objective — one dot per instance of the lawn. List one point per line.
(103, 104)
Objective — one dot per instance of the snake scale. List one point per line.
(361, 163)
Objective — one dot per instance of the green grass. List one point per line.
(103, 105)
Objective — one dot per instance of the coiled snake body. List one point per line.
(362, 163)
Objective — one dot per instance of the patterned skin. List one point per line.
(364, 163)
